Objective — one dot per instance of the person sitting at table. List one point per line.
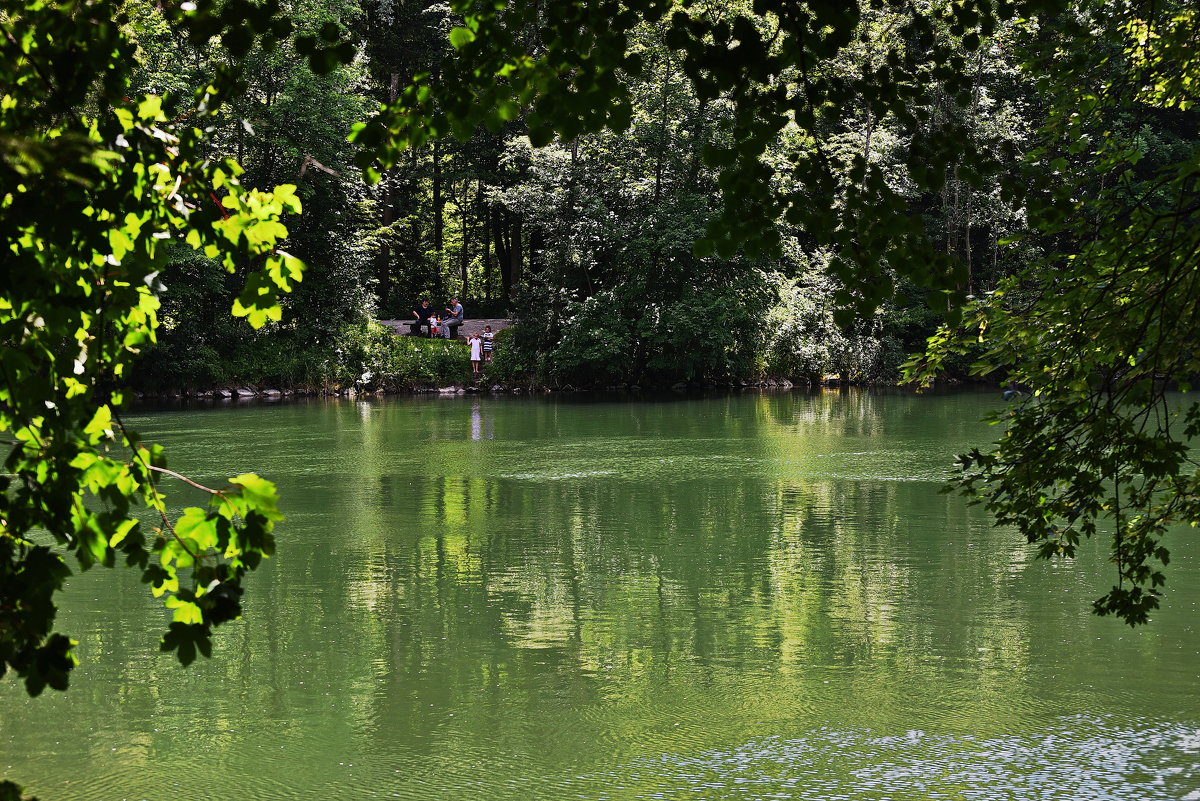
(421, 316)
(450, 324)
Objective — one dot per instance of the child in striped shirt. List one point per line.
(487, 343)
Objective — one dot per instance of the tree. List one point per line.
(96, 188)
(1093, 336)
(98, 193)
(1095, 333)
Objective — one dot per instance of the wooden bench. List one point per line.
(415, 326)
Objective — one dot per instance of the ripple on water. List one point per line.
(1081, 759)
(557, 476)
(661, 464)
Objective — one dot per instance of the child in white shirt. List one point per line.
(476, 351)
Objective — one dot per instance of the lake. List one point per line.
(749, 596)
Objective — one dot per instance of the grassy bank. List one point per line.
(366, 358)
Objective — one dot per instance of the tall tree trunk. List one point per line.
(516, 259)
(995, 259)
(499, 224)
(439, 202)
(463, 261)
(485, 256)
(967, 250)
(508, 250)
(975, 93)
(698, 137)
(383, 268)
(662, 132)
(383, 265)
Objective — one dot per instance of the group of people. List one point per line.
(438, 325)
(481, 344)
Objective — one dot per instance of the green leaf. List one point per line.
(461, 37)
(260, 495)
(508, 110)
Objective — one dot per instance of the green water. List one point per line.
(750, 597)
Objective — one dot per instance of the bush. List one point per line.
(367, 356)
(416, 361)
(371, 357)
(509, 359)
(698, 322)
(805, 344)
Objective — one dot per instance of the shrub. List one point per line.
(412, 362)
(510, 363)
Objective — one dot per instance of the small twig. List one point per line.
(308, 159)
(159, 505)
(189, 482)
(184, 479)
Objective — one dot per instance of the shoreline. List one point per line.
(210, 400)
(246, 394)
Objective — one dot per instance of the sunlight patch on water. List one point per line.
(1083, 759)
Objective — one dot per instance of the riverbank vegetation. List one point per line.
(363, 357)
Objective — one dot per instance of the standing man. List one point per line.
(450, 324)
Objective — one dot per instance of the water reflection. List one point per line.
(727, 597)
(482, 421)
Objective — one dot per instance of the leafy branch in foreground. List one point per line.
(91, 206)
(1093, 339)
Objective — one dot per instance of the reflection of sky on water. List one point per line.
(1079, 758)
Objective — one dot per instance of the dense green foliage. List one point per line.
(100, 190)
(1096, 332)
(599, 215)
(97, 190)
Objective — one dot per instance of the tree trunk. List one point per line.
(662, 132)
(383, 268)
(693, 174)
(507, 232)
(499, 224)
(463, 261)
(439, 203)
(485, 256)
(516, 260)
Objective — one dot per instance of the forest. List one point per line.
(588, 242)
